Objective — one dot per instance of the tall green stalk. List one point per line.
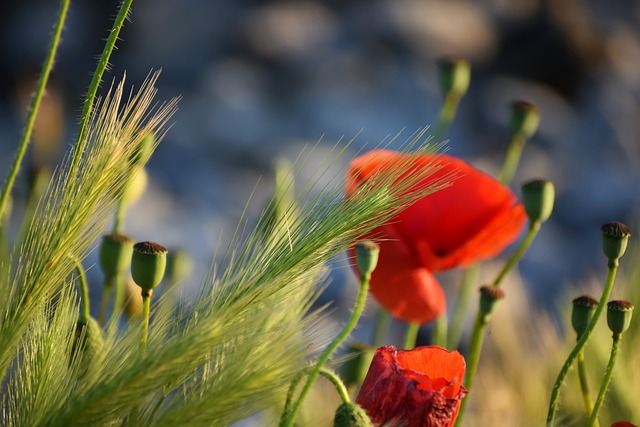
(593, 421)
(35, 106)
(584, 383)
(555, 393)
(81, 140)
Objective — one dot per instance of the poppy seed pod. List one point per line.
(538, 196)
(525, 118)
(619, 316)
(455, 76)
(615, 236)
(367, 256)
(115, 253)
(489, 297)
(148, 264)
(351, 415)
(583, 308)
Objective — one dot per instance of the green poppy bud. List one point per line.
(148, 264)
(115, 253)
(179, 266)
(525, 118)
(89, 341)
(367, 256)
(455, 76)
(582, 312)
(619, 316)
(538, 196)
(351, 415)
(489, 297)
(615, 236)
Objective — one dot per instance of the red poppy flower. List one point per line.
(623, 424)
(472, 220)
(413, 388)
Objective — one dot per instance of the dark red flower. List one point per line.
(413, 388)
(472, 220)
(623, 424)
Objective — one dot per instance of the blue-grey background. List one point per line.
(260, 79)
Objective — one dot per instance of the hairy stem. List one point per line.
(606, 380)
(35, 106)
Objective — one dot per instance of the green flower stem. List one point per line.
(606, 380)
(146, 312)
(84, 291)
(380, 327)
(555, 393)
(439, 337)
(121, 212)
(512, 158)
(534, 227)
(35, 106)
(411, 336)
(584, 383)
(106, 296)
(469, 281)
(473, 358)
(337, 383)
(81, 141)
(447, 113)
(315, 370)
(289, 399)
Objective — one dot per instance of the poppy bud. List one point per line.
(115, 253)
(525, 118)
(615, 236)
(179, 266)
(619, 316)
(351, 415)
(367, 256)
(89, 341)
(582, 312)
(489, 296)
(455, 76)
(538, 196)
(148, 264)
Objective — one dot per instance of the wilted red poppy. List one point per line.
(413, 388)
(472, 220)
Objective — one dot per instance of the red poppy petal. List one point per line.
(391, 394)
(404, 288)
(444, 368)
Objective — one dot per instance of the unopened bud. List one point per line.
(583, 308)
(367, 256)
(538, 196)
(455, 76)
(115, 253)
(351, 415)
(619, 316)
(615, 236)
(489, 297)
(148, 264)
(525, 118)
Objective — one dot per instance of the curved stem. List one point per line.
(447, 113)
(289, 400)
(606, 380)
(411, 336)
(119, 297)
(146, 312)
(469, 281)
(79, 146)
(351, 324)
(584, 383)
(555, 393)
(337, 383)
(475, 348)
(35, 106)
(534, 227)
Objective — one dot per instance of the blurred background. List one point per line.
(261, 79)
